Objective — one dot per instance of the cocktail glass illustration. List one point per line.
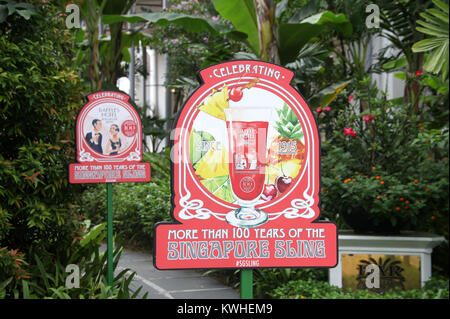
(247, 136)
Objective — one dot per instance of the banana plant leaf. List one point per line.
(328, 94)
(242, 14)
(190, 23)
(294, 36)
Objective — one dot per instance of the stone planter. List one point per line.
(402, 260)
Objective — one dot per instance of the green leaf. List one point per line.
(26, 10)
(305, 11)
(26, 290)
(44, 274)
(190, 23)
(5, 283)
(281, 7)
(328, 94)
(26, 14)
(431, 32)
(241, 13)
(426, 45)
(400, 75)
(396, 64)
(93, 234)
(297, 135)
(59, 292)
(438, 61)
(441, 5)
(438, 14)
(437, 27)
(293, 36)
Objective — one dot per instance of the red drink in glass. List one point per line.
(247, 156)
(247, 138)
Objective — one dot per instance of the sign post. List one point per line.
(109, 150)
(245, 177)
(110, 247)
(246, 284)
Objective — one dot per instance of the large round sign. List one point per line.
(246, 175)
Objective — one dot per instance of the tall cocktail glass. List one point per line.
(247, 137)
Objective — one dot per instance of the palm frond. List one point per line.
(435, 24)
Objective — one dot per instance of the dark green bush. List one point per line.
(266, 279)
(40, 229)
(391, 167)
(136, 206)
(44, 281)
(313, 289)
(40, 95)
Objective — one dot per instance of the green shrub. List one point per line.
(40, 94)
(389, 166)
(266, 279)
(136, 206)
(40, 230)
(313, 289)
(46, 278)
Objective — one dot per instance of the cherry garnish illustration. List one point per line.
(282, 183)
(237, 92)
(269, 192)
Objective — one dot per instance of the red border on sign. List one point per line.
(95, 167)
(85, 153)
(293, 218)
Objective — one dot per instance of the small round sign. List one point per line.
(129, 128)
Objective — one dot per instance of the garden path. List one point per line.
(171, 284)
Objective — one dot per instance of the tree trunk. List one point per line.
(114, 57)
(268, 39)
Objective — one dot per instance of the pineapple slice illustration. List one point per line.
(289, 168)
(213, 164)
(215, 103)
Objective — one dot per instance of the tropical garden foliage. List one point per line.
(384, 159)
(41, 231)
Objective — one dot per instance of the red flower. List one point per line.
(349, 131)
(350, 97)
(418, 72)
(328, 109)
(319, 109)
(368, 118)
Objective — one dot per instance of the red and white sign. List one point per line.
(109, 141)
(246, 176)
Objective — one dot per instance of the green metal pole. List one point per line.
(246, 284)
(110, 234)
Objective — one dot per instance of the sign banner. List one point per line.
(245, 176)
(109, 141)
